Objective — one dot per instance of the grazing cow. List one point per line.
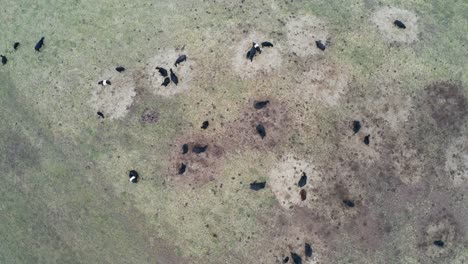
(308, 250)
(205, 125)
(162, 71)
(100, 114)
(39, 44)
(185, 148)
(296, 258)
(348, 203)
(251, 53)
(320, 45)
(4, 59)
(399, 24)
(104, 82)
(302, 182)
(367, 139)
(356, 126)
(16, 45)
(439, 243)
(174, 78)
(120, 69)
(182, 169)
(199, 149)
(303, 194)
(267, 44)
(261, 130)
(166, 82)
(133, 176)
(260, 104)
(181, 59)
(257, 48)
(257, 185)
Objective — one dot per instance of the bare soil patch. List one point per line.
(456, 162)
(384, 19)
(166, 59)
(263, 64)
(302, 32)
(325, 190)
(323, 80)
(114, 100)
(447, 104)
(284, 179)
(439, 227)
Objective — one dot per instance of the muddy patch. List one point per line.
(302, 32)
(409, 135)
(447, 105)
(384, 19)
(166, 59)
(366, 196)
(114, 100)
(202, 157)
(236, 135)
(149, 116)
(438, 118)
(242, 132)
(263, 64)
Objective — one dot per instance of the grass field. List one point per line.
(65, 194)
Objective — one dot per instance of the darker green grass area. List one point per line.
(53, 211)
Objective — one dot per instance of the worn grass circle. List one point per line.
(322, 79)
(114, 100)
(324, 195)
(442, 227)
(284, 178)
(384, 19)
(302, 32)
(166, 60)
(263, 64)
(456, 164)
